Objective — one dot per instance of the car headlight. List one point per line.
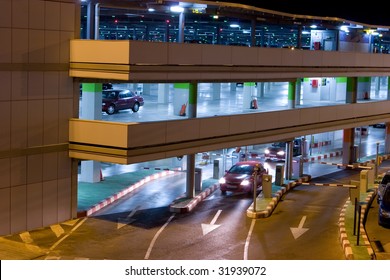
(266, 151)
(103, 104)
(281, 153)
(222, 180)
(245, 182)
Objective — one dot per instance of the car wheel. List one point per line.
(111, 109)
(136, 107)
(223, 192)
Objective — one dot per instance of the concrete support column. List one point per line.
(351, 94)
(248, 95)
(377, 86)
(146, 89)
(192, 99)
(387, 139)
(291, 94)
(388, 88)
(163, 94)
(216, 91)
(233, 87)
(260, 89)
(298, 91)
(190, 176)
(180, 38)
(91, 104)
(348, 145)
(289, 159)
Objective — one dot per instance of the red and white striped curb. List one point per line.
(183, 207)
(125, 191)
(344, 240)
(330, 185)
(327, 155)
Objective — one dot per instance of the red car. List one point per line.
(239, 178)
(119, 99)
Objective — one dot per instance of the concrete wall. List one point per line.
(37, 98)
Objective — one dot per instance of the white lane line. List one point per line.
(66, 236)
(156, 236)
(248, 238)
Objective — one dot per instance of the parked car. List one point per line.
(240, 177)
(119, 99)
(379, 125)
(385, 180)
(277, 151)
(384, 207)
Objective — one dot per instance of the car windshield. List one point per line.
(386, 196)
(241, 169)
(279, 145)
(108, 95)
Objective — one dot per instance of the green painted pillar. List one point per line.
(298, 91)
(351, 94)
(388, 88)
(249, 95)
(192, 99)
(91, 109)
(291, 94)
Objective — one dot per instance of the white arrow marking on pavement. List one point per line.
(127, 220)
(206, 228)
(297, 232)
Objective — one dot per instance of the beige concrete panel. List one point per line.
(148, 76)
(52, 46)
(269, 56)
(35, 123)
(212, 127)
(6, 45)
(6, 14)
(18, 124)
(309, 115)
(64, 199)
(34, 168)
(18, 171)
(51, 85)
(65, 37)
(185, 54)
(147, 52)
(216, 55)
(212, 77)
(292, 57)
(5, 214)
(181, 76)
(347, 59)
(99, 133)
(19, 208)
(147, 134)
(243, 75)
(268, 120)
(50, 122)
(328, 113)
(52, 15)
(50, 202)
(100, 75)
(361, 110)
(67, 17)
(244, 55)
(34, 205)
(65, 112)
(5, 173)
(19, 85)
(185, 130)
(5, 116)
(36, 43)
(330, 58)
(35, 85)
(344, 111)
(313, 58)
(103, 51)
(242, 123)
(384, 60)
(362, 59)
(36, 15)
(50, 166)
(381, 107)
(5, 82)
(290, 117)
(19, 13)
(19, 45)
(64, 165)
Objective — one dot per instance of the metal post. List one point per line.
(354, 217)
(377, 160)
(358, 233)
(255, 186)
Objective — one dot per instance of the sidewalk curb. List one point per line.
(125, 191)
